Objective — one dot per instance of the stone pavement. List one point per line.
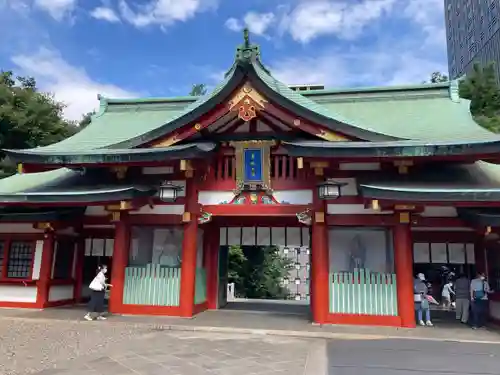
(59, 342)
(183, 353)
(411, 357)
(226, 321)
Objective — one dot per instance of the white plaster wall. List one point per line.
(439, 211)
(18, 293)
(164, 209)
(349, 209)
(294, 196)
(96, 211)
(18, 228)
(60, 293)
(37, 262)
(215, 197)
(265, 236)
(495, 310)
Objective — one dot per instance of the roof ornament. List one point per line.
(246, 37)
(247, 51)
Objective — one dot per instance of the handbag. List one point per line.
(424, 305)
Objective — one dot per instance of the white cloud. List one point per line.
(258, 23)
(71, 85)
(58, 9)
(430, 18)
(314, 18)
(105, 14)
(164, 12)
(234, 24)
(358, 67)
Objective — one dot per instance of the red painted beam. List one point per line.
(195, 126)
(255, 210)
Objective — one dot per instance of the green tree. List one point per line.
(86, 119)
(257, 272)
(28, 117)
(198, 89)
(437, 77)
(480, 86)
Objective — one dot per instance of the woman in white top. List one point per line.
(446, 295)
(97, 291)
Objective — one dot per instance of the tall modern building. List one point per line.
(472, 31)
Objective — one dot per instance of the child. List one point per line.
(446, 295)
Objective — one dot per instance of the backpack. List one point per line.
(479, 294)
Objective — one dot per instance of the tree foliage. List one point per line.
(198, 89)
(86, 119)
(438, 77)
(480, 86)
(257, 272)
(28, 117)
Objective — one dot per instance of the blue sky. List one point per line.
(127, 48)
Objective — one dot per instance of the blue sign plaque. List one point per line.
(252, 161)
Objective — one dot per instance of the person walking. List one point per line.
(446, 294)
(98, 288)
(479, 290)
(420, 297)
(462, 298)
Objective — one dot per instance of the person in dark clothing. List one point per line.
(462, 295)
(479, 290)
(98, 288)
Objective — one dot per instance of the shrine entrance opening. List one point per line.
(265, 269)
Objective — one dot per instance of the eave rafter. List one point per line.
(246, 104)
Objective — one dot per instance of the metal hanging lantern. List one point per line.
(169, 192)
(330, 189)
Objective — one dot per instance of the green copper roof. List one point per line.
(49, 214)
(111, 156)
(68, 186)
(428, 113)
(392, 149)
(478, 182)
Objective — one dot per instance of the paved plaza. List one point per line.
(59, 342)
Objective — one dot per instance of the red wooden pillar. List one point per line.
(212, 265)
(320, 264)
(43, 284)
(119, 263)
(404, 274)
(189, 250)
(80, 258)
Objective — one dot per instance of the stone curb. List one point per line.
(261, 332)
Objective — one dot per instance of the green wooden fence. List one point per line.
(201, 286)
(363, 292)
(152, 285)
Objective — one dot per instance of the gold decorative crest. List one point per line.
(166, 142)
(330, 136)
(247, 101)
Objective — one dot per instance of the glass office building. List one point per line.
(472, 31)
